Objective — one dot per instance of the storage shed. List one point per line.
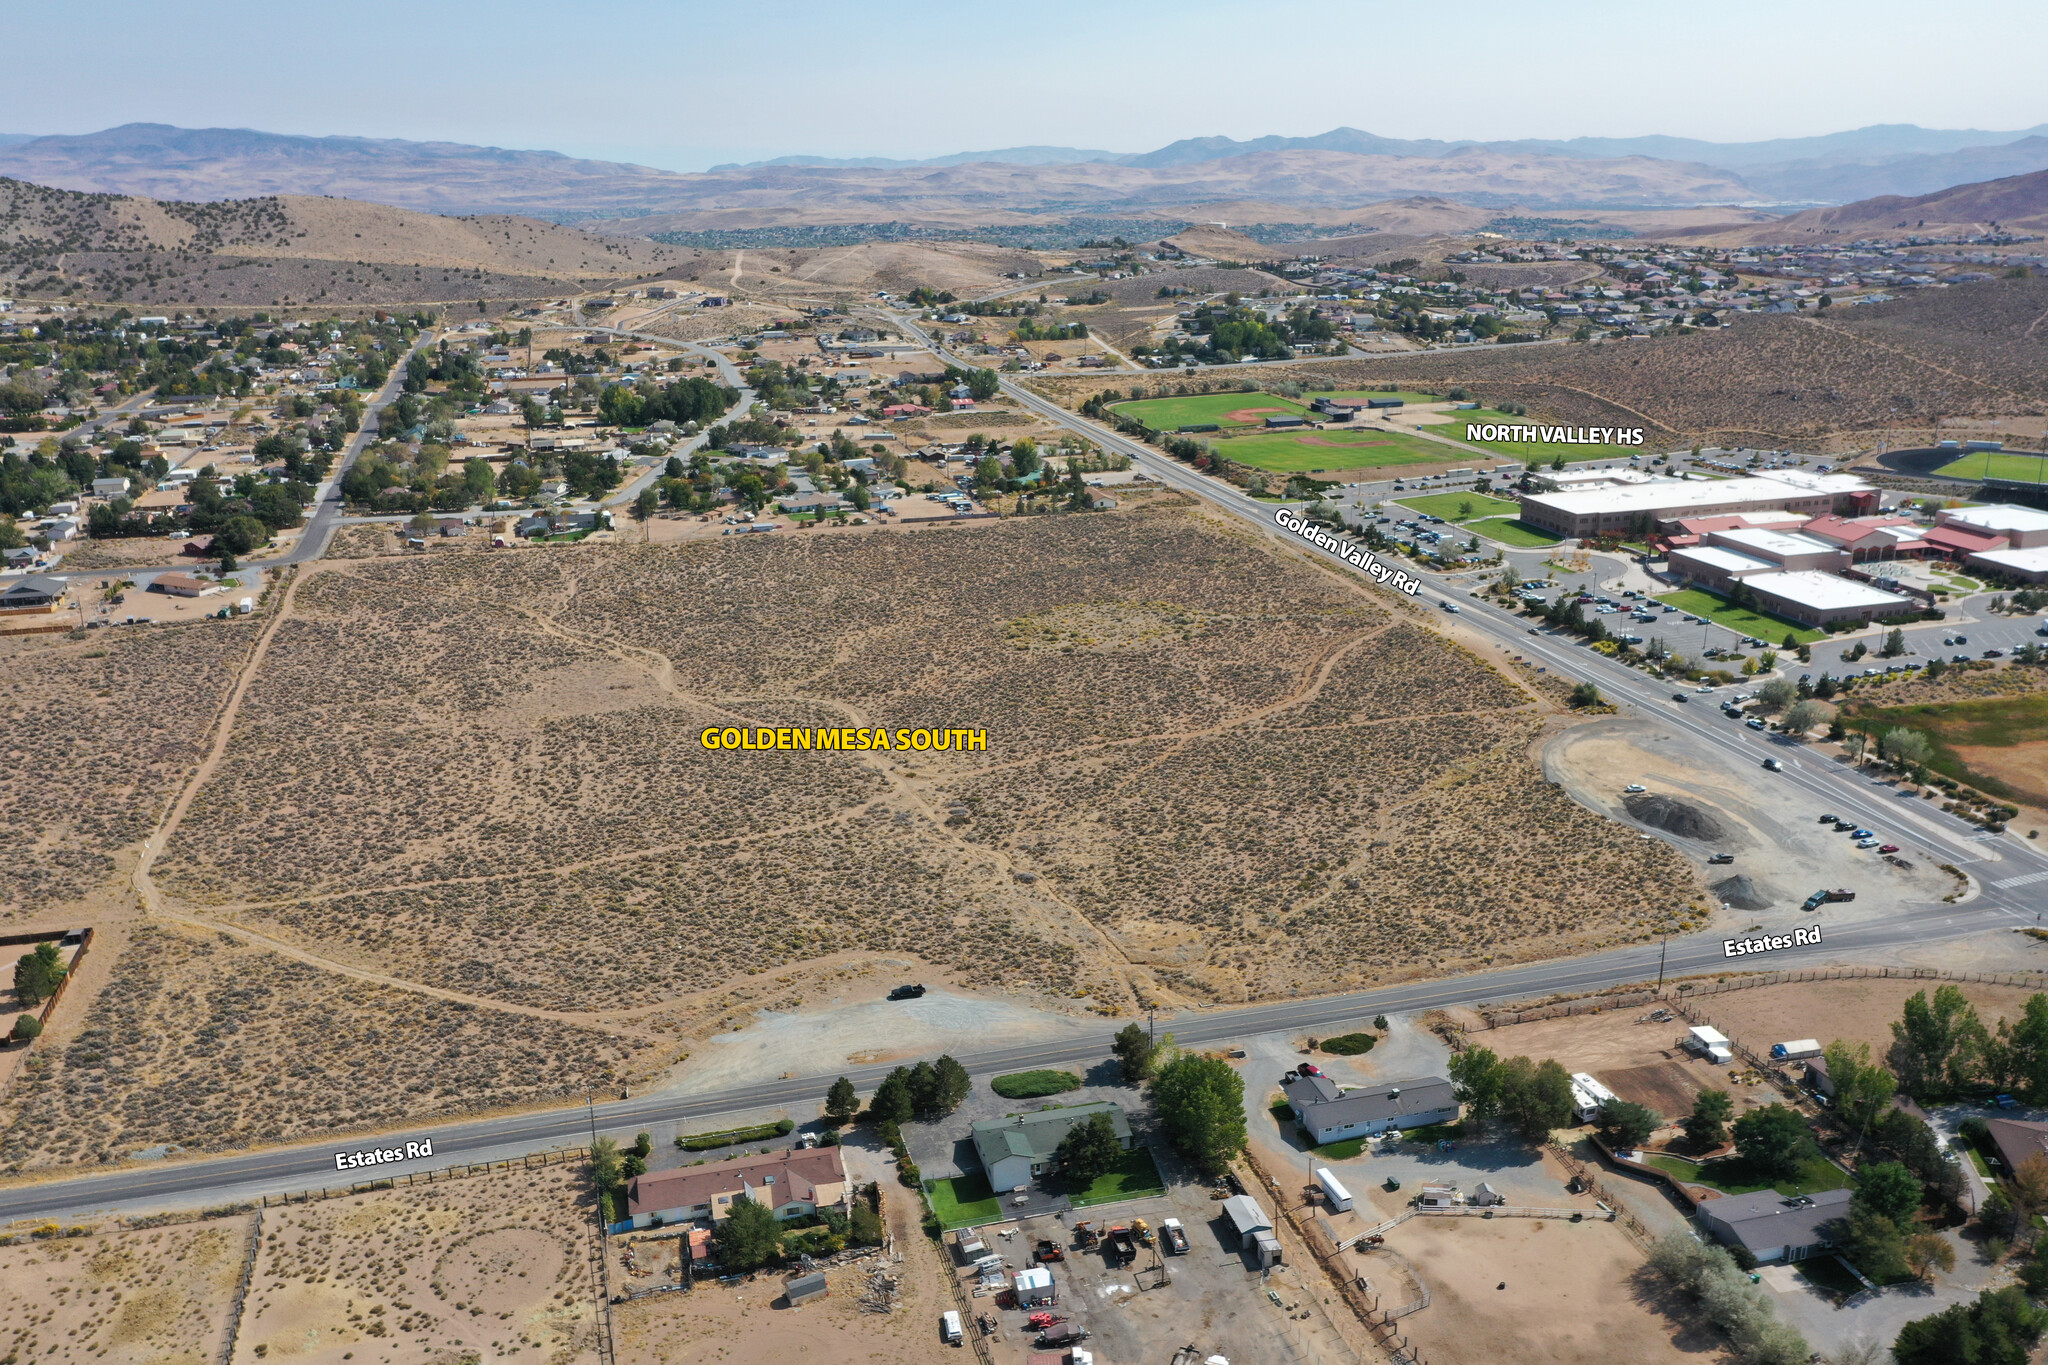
(804, 1288)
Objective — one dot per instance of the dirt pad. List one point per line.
(491, 1268)
(1673, 816)
(1858, 1011)
(1666, 1087)
(152, 1297)
(1569, 1295)
(753, 1324)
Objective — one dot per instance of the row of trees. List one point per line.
(1941, 1049)
(1530, 1097)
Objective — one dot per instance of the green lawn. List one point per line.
(1333, 449)
(1029, 1085)
(1136, 1176)
(1342, 1150)
(1449, 505)
(1731, 1175)
(1513, 531)
(1997, 464)
(964, 1201)
(1168, 414)
(1770, 629)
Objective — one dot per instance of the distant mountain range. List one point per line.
(2013, 203)
(1333, 171)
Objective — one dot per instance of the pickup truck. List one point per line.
(1049, 1250)
(1820, 898)
(1176, 1237)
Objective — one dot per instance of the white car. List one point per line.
(1632, 788)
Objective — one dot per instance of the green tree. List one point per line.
(842, 1101)
(1927, 1252)
(1379, 1021)
(37, 974)
(479, 481)
(27, 1026)
(1134, 1052)
(950, 1085)
(748, 1237)
(923, 1083)
(2000, 1328)
(1200, 1105)
(1777, 694)
(1894, 643)
(240, 534)
(1707, 1126)
(1585, 694)
(865, 1226)
(891, 1102)
(1773, 1140)
(1888, 1188)
(1623, 1123)
(1907, 748)
(1806, 713)
(1937, 1043)
(1873, 1243)
(1863, 1088)
(1535, 1097)
(1089, 1151)
(2024, 1050)
(643, 1145)
(1475, 1082)
(647, 504)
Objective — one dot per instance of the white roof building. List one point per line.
(1816, 598)
(2031, 565)
(1595, 510)
(1717, 566)
(2023, 527)
(1782, 548)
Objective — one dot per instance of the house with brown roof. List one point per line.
(793, 1183)
(2017, 1140)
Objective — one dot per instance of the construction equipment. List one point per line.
(1084, 1235)
(1049, 1250)
(1142, 1231)
(1038, 1322)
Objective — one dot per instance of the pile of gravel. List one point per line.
(1740, 892)
(1674, 817)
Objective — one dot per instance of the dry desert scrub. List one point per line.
(482, 764)
(100, 733)
(488, 1268)
(155, 1297)
(207, 1043)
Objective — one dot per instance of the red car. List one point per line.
(1310, 1069)
(1889, 848)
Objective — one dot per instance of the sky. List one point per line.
(683, 85)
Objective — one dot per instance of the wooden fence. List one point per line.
(227, 1344)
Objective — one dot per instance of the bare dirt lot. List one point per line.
(1532, 1290)
(151, 1297)
(1638, 1061)
(1856, 1011)
(489, 1268)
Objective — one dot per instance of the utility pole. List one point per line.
(1663, 938)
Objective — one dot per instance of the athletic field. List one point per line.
(1447, 505)
(1997, 464)
(1224, 409)
(1333, 449)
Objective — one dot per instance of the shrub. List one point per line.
(1349, 1044)
(1029, 1085)
(27, 1027)
(785, 1127)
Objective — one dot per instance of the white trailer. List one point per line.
(1588, 1095)
(1333, 1189)
(1797, 1050)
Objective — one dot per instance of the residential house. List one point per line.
(184, 585)
(1018, 1149)
(2018, 1140)
(1773, 1226)
(37, 593)
(1327, 1112)
(793, 1183)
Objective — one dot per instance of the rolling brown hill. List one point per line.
(2018, 202)
(295, 248)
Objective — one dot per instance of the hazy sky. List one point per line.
(683, 84)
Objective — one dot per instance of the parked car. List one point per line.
(906, 992)
(1889, 848)
(1861, 833)
(1721, 859)
(1634, 787)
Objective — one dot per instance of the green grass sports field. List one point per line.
(1513, 531)
(1224, 409)
(1296, 452)
(1997, 464)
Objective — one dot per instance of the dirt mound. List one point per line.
(1674, 817)
(1740, 892)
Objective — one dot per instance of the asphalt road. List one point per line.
(2011, 877)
